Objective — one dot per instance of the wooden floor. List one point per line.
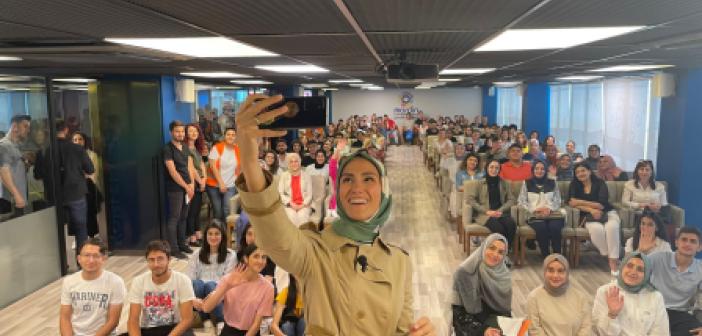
(417, 224)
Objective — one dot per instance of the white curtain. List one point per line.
(509, 106)
(618, 114)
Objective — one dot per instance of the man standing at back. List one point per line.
(180, 187)
(91, 300)
(73, 164)
(13, 170)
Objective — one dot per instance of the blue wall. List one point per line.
(537, 109)
(172, 109)
(203, 98)
(490, 105)
(680, 145)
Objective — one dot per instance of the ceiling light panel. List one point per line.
(251, 82)
(558, 38)
(296, 68)
(338, 81)
(632, 67)
(466, 71)
(219, 74)
(196, 46)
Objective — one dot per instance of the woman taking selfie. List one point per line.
(349, 273)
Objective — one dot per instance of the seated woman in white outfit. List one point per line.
(295, 188)
(643, 192)
(631, 307)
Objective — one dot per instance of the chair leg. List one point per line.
(466, 243)
(515, 250)
(576, 253)
(522, 250)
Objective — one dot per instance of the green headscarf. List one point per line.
(362, 231)
(647, 273)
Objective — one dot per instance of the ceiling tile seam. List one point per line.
(47, 28)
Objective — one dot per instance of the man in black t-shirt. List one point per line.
(179, 187)
(432, 130)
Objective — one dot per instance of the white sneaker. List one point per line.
(614, 273)
(207, 325)
(220, 326)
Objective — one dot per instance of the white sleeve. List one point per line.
(523, 199)
(627, 196)
(185, 289)
(556, 200)
(119, 291)
(65, 292)
(136, 291)
(194, 265)
(629, 246)
(663, 194)
(601, 323)
(214, 155)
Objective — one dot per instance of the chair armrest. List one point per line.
(572, 216)
(523, 216)
(678, 215)
(514, 212)
(627, 215)
(467, 214)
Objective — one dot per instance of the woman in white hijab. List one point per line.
(482, 289)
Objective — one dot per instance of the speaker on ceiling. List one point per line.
(663, 85)
(185, 90)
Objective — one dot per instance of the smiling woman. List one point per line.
(354, 283)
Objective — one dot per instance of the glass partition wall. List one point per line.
(30, 244)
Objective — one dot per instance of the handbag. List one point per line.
(588, 218)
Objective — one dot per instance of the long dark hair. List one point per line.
(660, 229)
(200, 144)
(243, 244)
(274, 167)
(222, 251)
(246, 252)
(464, 163)
(291, 300)
(651, 180)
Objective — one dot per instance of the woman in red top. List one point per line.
(295, 188)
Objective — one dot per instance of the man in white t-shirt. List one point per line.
(160, 300)
(91, 300)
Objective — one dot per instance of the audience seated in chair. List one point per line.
(541, 199)
(515, 169)
(295, 188)
(678, 277)
(556, 309)
(607, 170)
(593, 157)
(482, 289)
(535, 152)
(469, 169)
(492, 200)
(590, 195)
(631, 306)
(565, 168)
(575, 156)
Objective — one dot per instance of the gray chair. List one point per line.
(470, 228)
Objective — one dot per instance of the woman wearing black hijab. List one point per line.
(492, 201)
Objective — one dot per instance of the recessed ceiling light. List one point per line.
(450, 79)
(196, 46)
(534, 39)
(295, 68)
(374, 88)
(466, 71)
(579, 78)
(9, 58)
(421, 87)
(227, 87)
(632, 67)
(345, 81)
(315, 85)
(15, 78)
(74, 80)
(251, 82)
(506, 83)
(361, 84)
(330, 89)
(216, 74)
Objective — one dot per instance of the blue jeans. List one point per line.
(290, 328)
(78, 219)
(220, 202)
(202, 289)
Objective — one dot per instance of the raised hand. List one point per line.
(615, 302)
(236, 276)
(423, 327)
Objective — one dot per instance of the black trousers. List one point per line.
(177, 214)
(548, 234)
(192, 223)
(681, 323)
(231, 331)
(161, 331)
(503, 225)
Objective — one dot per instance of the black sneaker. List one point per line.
(180, 255)
(186, 249)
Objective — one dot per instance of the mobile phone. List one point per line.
(303, 112)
